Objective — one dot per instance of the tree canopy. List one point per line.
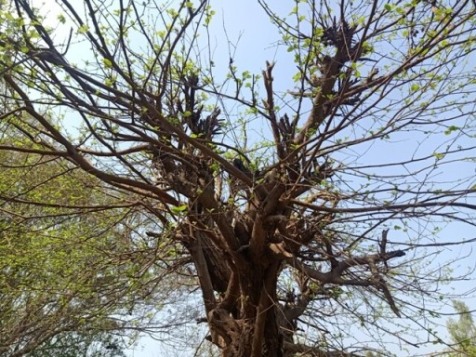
(300, 217)
(462, 332)
(64, 258)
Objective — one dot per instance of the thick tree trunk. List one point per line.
(248, 326)
(238, 268)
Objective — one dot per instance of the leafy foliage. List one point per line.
(69, 261)
(462, 332)
(96, 344)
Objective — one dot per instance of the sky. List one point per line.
(241, 29)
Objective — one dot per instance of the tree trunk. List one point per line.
(248, 325)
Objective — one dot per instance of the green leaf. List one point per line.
(107, 62)
(414, 87)
(451, 128)
(179, 209)
(83, 29)
(61, 18)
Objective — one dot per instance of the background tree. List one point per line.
(75, 276)
(66, 260)
(72, 344)
(291, 239)
(462, 332)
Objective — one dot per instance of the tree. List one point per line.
(462, 332)
(295, 235)
(71, 279)
(94, 344)
(66, 274)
